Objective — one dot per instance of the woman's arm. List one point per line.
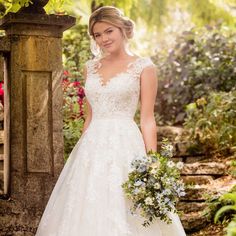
(148, 94)
(88, 109)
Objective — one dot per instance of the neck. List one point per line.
(119, 55)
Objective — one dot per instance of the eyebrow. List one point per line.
(104, 30)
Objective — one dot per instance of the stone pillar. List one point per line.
(36, 138)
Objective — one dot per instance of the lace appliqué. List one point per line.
(120, 96)
(133, 68)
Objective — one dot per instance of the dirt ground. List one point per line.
(214, 230)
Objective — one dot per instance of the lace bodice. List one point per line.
(120, 95)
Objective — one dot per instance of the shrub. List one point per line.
(76, 51)
(73, 114)
(211, 122)
(202, 60)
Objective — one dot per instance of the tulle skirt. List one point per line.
(88, 199)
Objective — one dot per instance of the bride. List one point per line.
(87, 199)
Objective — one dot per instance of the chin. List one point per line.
(111, 50)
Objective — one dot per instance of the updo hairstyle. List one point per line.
(113, 16)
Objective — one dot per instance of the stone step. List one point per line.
(201, 192)
(173, 133)
(208, 168)
(193, 220)
(193, 159)
(197, 179)
(180, 148)
(190, 159)
(198, 193)
(188, 207)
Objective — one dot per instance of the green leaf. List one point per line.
(229, 196)
(223, 210)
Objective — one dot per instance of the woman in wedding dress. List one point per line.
(88, 199)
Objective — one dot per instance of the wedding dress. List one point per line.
(88, 199)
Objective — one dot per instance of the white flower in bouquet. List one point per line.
(157, 186)
(180, 165)
(170, 164)
(148, 201)
(154, 185)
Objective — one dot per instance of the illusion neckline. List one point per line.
(106, 82)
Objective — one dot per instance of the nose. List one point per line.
(104, 38)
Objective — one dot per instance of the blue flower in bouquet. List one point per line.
(154, 184)
(166, 148)
(138, 183)
(141, 168)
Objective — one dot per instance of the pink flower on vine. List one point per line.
(81, 92)
(66, 73)
(76, 83)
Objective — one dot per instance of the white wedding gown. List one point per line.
(88, 199)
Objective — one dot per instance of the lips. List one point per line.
(107, 45)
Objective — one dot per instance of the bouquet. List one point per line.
(154, 185)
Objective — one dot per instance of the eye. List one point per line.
(96, 36)
(110, 31)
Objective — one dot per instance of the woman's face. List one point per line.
(108, 37)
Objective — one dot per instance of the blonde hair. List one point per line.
(113, 16)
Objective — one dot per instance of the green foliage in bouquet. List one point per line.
(211, 123)
(154, 185)
(202, 60)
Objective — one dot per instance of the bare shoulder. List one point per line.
(149, 69)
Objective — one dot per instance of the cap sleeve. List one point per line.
(140, 65)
